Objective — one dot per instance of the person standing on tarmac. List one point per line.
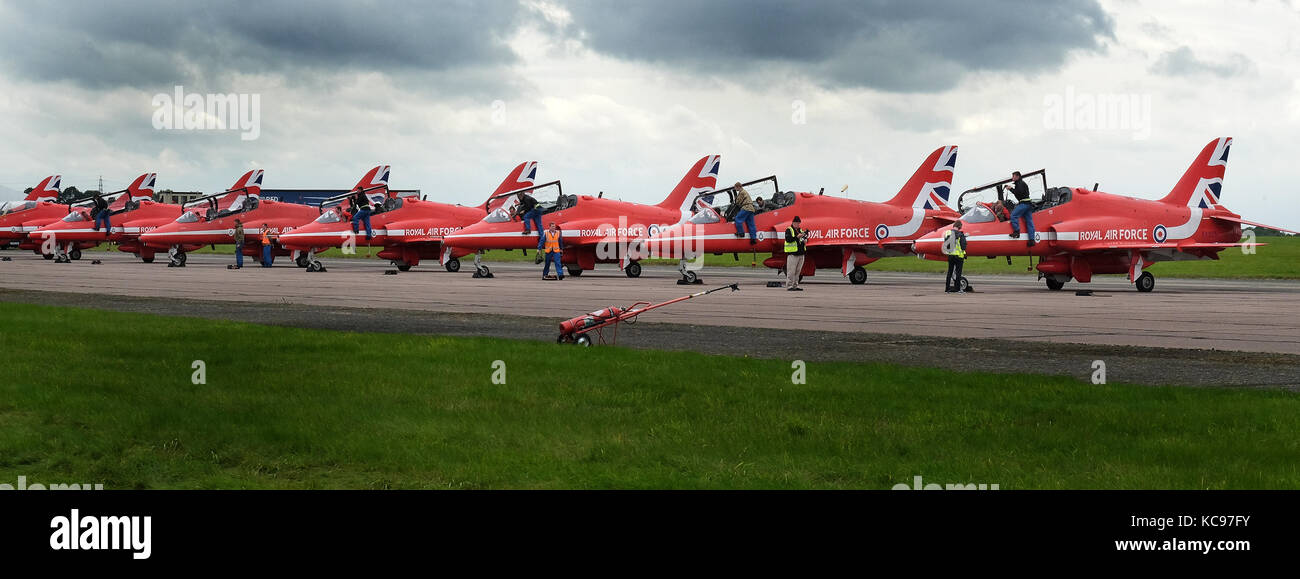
(553, 245)
(268, 241)
(1024, 209)
(795, 240)
(954, 246)
(239, 244)
(745, 216)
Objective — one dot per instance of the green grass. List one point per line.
(1280, 259)
(92, 396)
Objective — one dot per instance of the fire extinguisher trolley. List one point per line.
(577, 330)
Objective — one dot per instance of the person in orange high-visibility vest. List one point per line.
(268, 240)
(553, 245)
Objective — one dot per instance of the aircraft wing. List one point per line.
(1244, 222)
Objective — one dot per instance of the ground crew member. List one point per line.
(1024, 209)
(954, 246)
(268, 241)
(239, 244)
(795, 239)
(554, 248)
(745, 216)
(100, 213)
(361, 212)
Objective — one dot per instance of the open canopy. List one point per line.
(720, 205)
(550, 198)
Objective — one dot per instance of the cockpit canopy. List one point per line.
(550, 198)
(719, 205)
(76, 216)
(220, 205)
(12, 206)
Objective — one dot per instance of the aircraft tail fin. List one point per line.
(1203, 182)
(142, 186)
(703, 176)
(46, 190)
(521, 177)
(931, 184)
(250, 182)
(375, 180)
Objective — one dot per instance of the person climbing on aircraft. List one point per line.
(954, 246)
(1023, 209)
(745, 216)
(361, 212)
(554, 247)
(532, 216)
(100, 213)
(239, 244)
(795, 239)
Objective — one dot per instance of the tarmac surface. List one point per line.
(1192, 332)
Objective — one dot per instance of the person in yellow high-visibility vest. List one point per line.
(954, 246)
(553, 245)
(795, 240)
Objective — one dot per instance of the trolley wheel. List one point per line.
(1146, 282)
(583, 340)
(1054, 285)
(452, 265)
(632, 270)
(858, 275)
(75, 254)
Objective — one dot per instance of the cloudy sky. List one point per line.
(623, 97)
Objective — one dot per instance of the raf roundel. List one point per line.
(882, 231)
(1159, 234)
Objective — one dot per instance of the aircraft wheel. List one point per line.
(574, 271)
(1054, 285)
(1146, 282)
(858, 275)
(403, 267)
(75, 254)
(314, 266)
(689, 276)
(482, 271)
(964, 284)
(583, 341)
(47, 255)
(301, 260)
(453, 265)
(147, 259)
(633, 269)
(178, 258)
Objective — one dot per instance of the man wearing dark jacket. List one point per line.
(361, 212)
(100, 213)
(1024, 209)
(954, 245)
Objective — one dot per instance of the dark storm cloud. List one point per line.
(893, 45)
(1183, 62)
(109, 44)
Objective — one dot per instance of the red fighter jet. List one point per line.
(595, 229)
(130, 211)
(409, 229)
(18, 218)
(1082, 232)
(842, 233)
(211, 220)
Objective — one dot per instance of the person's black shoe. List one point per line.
(1015, 235)
(1032, 242)
(527, 232)
(794, 289)
(740, 235)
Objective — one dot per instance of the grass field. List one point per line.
(92, 396)
(1278, 260)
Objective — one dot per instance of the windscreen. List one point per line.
(550, 197)
(76, 216)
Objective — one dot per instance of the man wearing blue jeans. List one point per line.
(745, 216)
(1024, 209)
(554, 248)
(101, 215)
(239, 244)
(361, 212)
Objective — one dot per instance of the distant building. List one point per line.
(176, 197)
